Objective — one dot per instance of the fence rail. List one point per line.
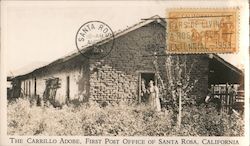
(230, 101)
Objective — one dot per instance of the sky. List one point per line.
(41, 32)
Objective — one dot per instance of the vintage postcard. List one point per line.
(102, 73)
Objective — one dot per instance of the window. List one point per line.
(24, 88)
(52, 84)
(29, 88)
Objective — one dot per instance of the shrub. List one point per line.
(91, 119)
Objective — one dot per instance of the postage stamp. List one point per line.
(202, 30)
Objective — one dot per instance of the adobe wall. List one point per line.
(116, 77)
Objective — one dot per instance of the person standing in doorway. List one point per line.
(154, 100)
(144, 93)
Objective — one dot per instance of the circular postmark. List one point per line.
(94, 39)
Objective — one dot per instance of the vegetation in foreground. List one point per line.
(119, 120)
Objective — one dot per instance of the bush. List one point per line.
(204, 120)
(90, 119)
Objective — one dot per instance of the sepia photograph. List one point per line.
(110, 69)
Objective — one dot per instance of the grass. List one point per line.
(118, 120)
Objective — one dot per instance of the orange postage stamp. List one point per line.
(202, 30)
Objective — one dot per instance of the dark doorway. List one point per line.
(35, 87)
(27, 89)
(24, 88)
(67, 88)
(147, 77)
(144, 80)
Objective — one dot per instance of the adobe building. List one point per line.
(118, 75)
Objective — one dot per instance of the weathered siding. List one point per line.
(78, 72)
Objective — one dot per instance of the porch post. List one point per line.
(139, 95)
(180, 108)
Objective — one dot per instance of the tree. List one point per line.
(179, 82)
